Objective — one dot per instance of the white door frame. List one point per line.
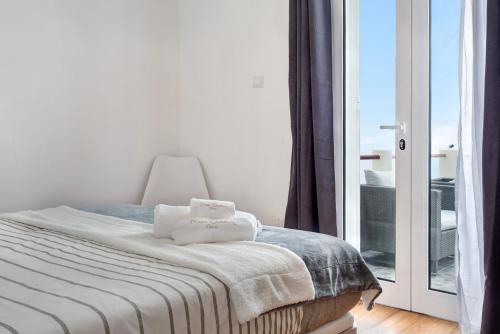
(411, 289)
(424, 300)
(398, 293)
(351, 122)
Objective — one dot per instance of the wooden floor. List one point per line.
(388, 320)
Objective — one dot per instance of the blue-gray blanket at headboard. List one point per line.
(335, 266)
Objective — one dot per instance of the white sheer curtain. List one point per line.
(470, 245)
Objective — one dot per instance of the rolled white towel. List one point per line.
(212, 209)
(217, 230)
(169, 218)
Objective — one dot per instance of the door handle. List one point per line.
(400, 127)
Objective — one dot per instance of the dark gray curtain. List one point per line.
(311, 198)
(491, 176)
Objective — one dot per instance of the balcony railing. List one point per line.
(377, 157)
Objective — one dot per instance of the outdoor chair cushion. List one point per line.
(381, 179)
(448, 220)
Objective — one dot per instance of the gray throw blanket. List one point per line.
(335, 266)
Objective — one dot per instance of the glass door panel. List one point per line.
(444, 115)
(377, 100)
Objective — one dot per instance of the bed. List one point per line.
(98, 270)
(55, 281)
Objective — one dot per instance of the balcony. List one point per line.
(378, 212)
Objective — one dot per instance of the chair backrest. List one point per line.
(447, 194)
(174, 181)
(378, 203)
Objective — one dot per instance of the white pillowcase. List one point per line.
(381, 179)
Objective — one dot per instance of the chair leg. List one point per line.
(434, 266)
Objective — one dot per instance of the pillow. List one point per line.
(381, 179)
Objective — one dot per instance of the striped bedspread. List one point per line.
(51, 282)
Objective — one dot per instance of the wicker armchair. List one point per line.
(378, 214)
(443, 236)
(447, 194)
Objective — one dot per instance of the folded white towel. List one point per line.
(243, 228)
(212, 209)
(169, 218)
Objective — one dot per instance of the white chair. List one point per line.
(174, 181)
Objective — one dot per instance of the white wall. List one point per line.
(91, 91)
(241, 134)
(88, 97)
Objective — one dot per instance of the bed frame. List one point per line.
(343, 325)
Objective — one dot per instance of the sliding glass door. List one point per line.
(400, 129)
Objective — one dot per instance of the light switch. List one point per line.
(258, 81)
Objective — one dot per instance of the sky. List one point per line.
(378, 72)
